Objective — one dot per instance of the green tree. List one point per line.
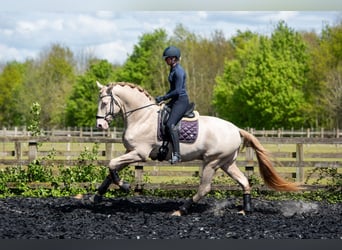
(202, 58)
(245, 45)
(144, 66)
(268, 92)
(48, 81)
(11, 80)
(323, 84)
(82, 104)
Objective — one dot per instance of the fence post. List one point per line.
(18, 151)
(109, 151)
(138, 178)
(33, 150)
(68, 148)
(249, 168)
(300, 161)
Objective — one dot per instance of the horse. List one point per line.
(217, 144)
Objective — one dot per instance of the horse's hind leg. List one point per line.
(234, 172)
(203, 189)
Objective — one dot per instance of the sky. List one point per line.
(111, 32)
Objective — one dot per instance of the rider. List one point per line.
(179, 98)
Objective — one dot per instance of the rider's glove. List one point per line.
(159, 99)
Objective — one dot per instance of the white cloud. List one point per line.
(114, 52)
(112, 34)
(202, 14)
(276, 16)
(104, 14)
(87, 24)
(11, 53)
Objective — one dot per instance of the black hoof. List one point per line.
(125, 186)
(95, 199)
(184, 209)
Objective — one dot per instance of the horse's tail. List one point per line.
(267, 171)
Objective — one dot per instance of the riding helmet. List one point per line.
(171, 51)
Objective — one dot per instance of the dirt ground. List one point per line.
(142, 217)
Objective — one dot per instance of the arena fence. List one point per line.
(115, 132)
(291, 153)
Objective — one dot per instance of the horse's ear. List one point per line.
(99, 85)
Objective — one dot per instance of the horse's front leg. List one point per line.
(115, 166)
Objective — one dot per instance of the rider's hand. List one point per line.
(159, 99)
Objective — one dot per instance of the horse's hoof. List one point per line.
(125, 186)
(177, 213)
(78, 196)
(95, 199)
(242, 212)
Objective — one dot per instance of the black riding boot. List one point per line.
(175, 157)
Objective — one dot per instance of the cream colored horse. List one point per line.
(217, 145)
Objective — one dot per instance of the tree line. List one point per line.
(287, 79)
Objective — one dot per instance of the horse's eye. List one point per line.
(103, 104)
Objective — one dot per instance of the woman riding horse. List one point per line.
(217, 145)
(179, 102)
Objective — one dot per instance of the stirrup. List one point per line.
(175, 158)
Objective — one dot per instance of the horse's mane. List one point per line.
(131, 85)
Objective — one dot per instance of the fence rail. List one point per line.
(24, 150)
(117, 132)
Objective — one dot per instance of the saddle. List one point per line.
(187, 129)
(187, 126)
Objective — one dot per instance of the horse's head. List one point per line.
(107, 107)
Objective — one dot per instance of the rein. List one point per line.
(133, 110)
(111, 109)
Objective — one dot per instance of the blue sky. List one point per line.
(112, 33)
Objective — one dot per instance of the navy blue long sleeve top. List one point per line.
(177, 79)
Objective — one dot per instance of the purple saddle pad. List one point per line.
(188, 131)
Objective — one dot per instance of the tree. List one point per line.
(82, 104)
(245, 44)
(325, 67)
(334, 96)
(202, 59)
(145, 66)
(265, 82)
(11, 81)
(48, 81)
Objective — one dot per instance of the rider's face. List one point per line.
(171, 61)
(168, 60)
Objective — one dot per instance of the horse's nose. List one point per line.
(102, 124)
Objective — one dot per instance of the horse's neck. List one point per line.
(140, 122)
(136, 106)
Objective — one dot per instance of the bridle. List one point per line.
(111, 108)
